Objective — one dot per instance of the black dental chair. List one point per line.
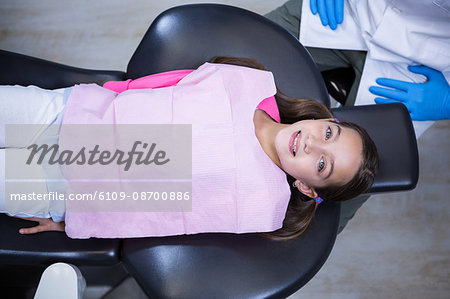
(205, 265)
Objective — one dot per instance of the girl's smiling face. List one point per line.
(319, 153)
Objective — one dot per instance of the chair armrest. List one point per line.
(49, 247)
(26, 70)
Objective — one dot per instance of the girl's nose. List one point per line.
(309, 145)
(313, 144)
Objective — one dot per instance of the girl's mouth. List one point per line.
(294, 142)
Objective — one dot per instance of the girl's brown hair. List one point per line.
(301, 208)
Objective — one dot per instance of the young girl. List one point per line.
(322, 158)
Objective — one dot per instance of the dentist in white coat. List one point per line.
(396, 34)
(399, 49)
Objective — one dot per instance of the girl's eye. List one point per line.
(328, 133)
(321, 165)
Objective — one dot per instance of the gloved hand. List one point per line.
(331, 12)
(425, 101)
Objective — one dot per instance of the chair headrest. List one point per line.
(391, 129)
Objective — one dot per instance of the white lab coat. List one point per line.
(396, 33)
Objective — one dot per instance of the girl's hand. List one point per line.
(45, 224)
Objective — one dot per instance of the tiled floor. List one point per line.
(397, 246)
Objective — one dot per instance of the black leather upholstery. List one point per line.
(391, 129)
(187, 36)
(18, 69)
(231, 266)
(210, 265)
(50, 247)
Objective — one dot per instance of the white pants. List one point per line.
(27, 105)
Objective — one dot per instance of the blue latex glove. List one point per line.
(425, 101)
(331, 12)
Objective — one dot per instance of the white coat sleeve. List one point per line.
(413, 32)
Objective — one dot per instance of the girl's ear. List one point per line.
(305, 189)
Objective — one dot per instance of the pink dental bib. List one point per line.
(236, 188)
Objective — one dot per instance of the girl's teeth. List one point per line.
(295, 144)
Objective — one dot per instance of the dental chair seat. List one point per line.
(220, 265)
